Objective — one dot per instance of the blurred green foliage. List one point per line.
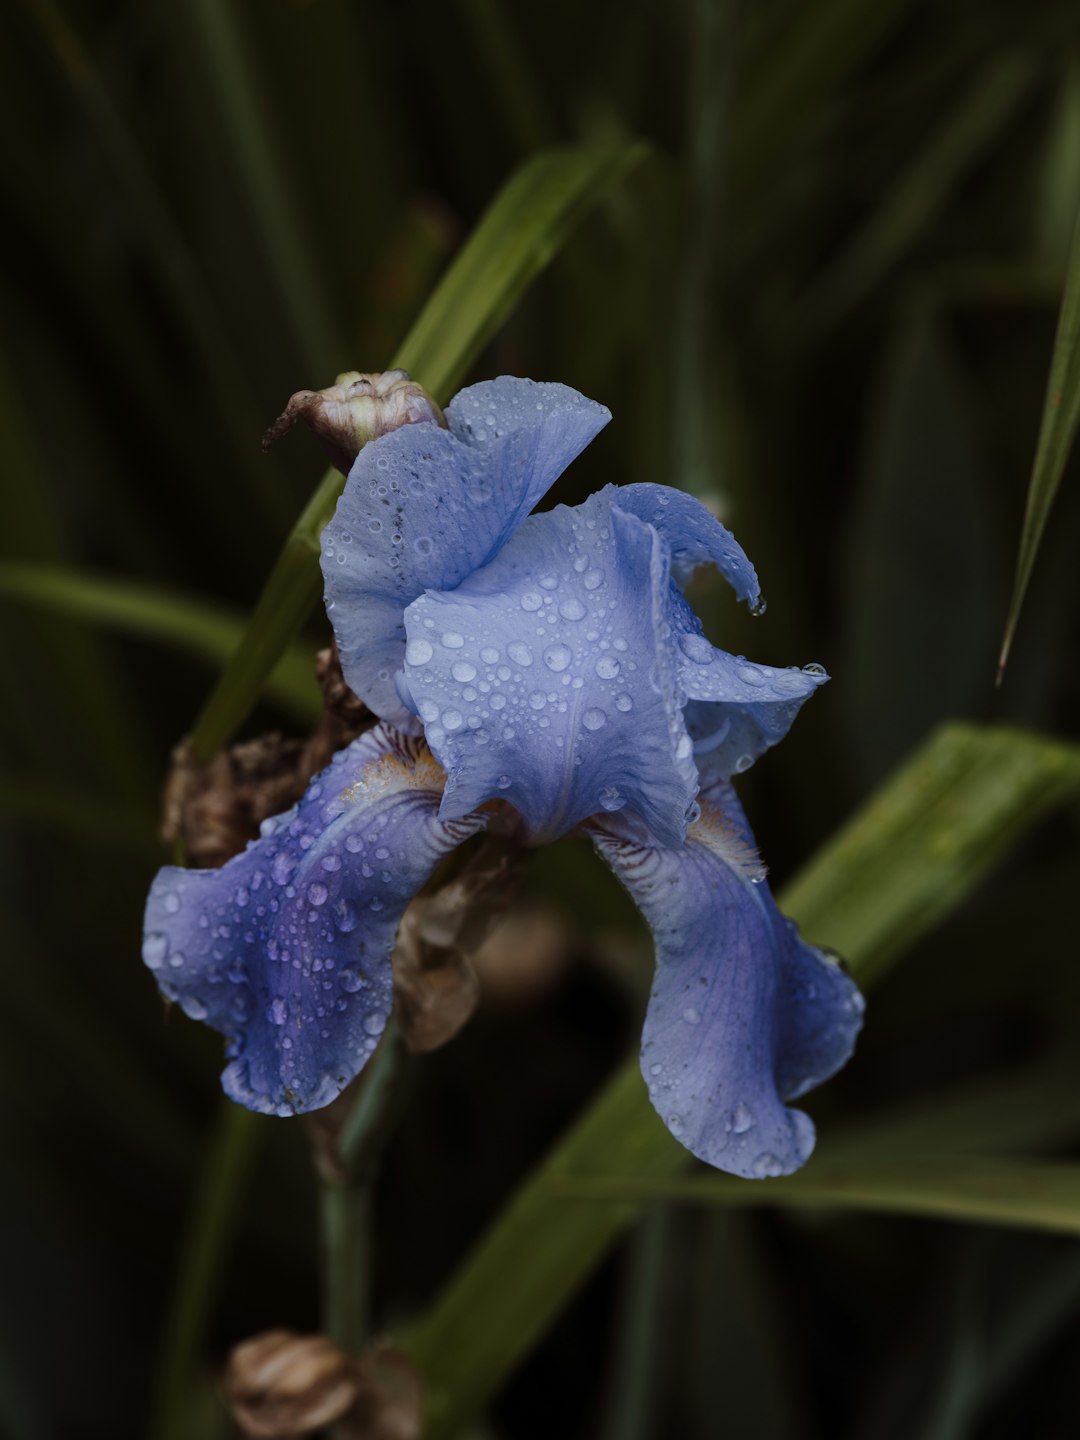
(826, 302)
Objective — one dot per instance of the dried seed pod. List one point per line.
(354, 410)
(281, 1385)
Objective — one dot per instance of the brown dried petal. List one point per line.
(389, 1405)
(280, 1385)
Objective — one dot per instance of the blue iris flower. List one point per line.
(551, 663)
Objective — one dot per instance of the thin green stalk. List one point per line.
(223, 1175)
(347, 1193)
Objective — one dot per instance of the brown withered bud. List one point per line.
(355, 409)
(281, 1385)
(435, 985)
(216, 807)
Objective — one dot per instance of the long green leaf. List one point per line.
(921, 844)
(1061, 414)
(1035, 1194)
(930, 823)
(518, 235)
(207, 631)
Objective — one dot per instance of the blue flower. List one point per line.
(550, 663)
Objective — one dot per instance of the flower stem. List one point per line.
(346, 1197)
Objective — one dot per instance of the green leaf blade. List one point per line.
(1057, 432)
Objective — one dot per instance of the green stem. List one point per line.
(223, 1176)
(347, 1194)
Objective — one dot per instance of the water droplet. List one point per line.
(170, 902)
(624, 703)
(743, 763)
(697, 649)
(611, 798)
(317, 893)
(766, 1167)
(344, 916)
(463, 671)
(498, 702)
(453, 719)
(374, 526)
(759, 606)
(548, 582)
(814, 669)
(594, 719)
(452, 640)
(531, 600)
(155, 948)
(742, 1119)
(193, 1007)
(593, 579)
(276, 1011)
(684, 747)
(351, 980)
(282, 867)
(751, 675)
(429, 711)
(423, 545)
(572, 609)
(519, 653)
(656, 1069)
(607, 667)
(418, 652)
(331, 863)
(375, 1023)
(537, 700)
(691, 1016)
(489, 655)
(557, 657)
(503, 782)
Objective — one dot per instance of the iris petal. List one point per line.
(743, 1014)
(423, 507)
(547, 678)
(286, 948)
(694, 536)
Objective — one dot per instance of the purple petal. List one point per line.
(286, 948)
(423, 507)
(546, 678)
(737, 709)
(743, 1014)
(694, 535)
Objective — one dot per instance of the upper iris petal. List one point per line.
(693, 535)
(286, 948)
(423, 507)
(547, 678)
(743, 1013)
(737, 709)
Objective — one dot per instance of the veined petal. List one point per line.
(737, 709)
(423, 507)
(547, 678)
(286, 948)
(743, 1014)
(694, 536)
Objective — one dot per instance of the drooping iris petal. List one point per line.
(694, 536)
(286, 948)
(737, 709)
(743, 1014)
(423, 507)
(547, 678)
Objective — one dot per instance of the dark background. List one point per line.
(827, 302)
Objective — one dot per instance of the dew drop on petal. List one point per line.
(418, 652)
(452, 640)
(572, 609)
(607, 667)
(742, 1119)
(155, 948)
(276, 1011)
(624, 702)
(594, 719)
(611, 798)
(463, 671)
(519, 653)
(489, 655)
(531, 600)
(557, 657)
(697, 649)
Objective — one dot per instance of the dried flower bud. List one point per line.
(356, 409)
(281, 1385)
(435, 985)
